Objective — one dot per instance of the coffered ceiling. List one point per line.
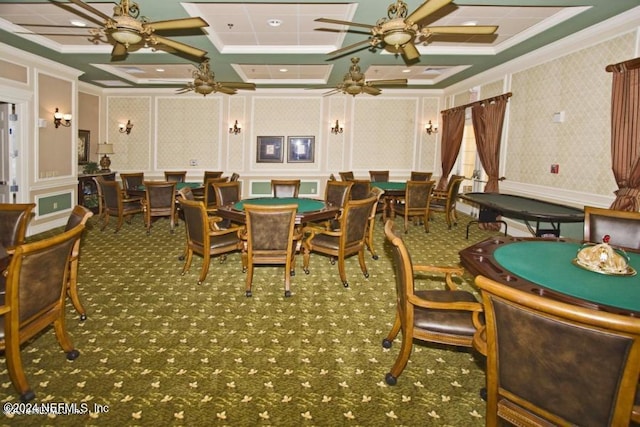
(279, 44)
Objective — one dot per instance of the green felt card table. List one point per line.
(545, 267)
(308, 209)
(391, 188)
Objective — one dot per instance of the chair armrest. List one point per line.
(460, 305)
(132, 199)
(4, 309)
(449, 273)
(224, 231)
(439, 194)
(213, 223)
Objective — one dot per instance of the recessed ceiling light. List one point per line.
(283, 70)
(78, 23)
(274, 22)
(160, 70)
(406, 70)
(470, 23)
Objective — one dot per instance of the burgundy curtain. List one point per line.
(488, 118)
(625, 134)
(452, 130)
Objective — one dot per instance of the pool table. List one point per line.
(545, 267)
(493, 205)
(308, 209)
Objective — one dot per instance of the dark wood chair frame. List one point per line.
(622, 227)
(79, 215)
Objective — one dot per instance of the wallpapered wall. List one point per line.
(170, 132)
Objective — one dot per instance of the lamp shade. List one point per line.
(105, 148)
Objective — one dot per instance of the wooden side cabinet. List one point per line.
(88, 191)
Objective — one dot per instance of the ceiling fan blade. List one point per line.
(178, 24)
(337, 21)
(426, 9)
(189, 50)
(118, 50)
(239, 85)
(410, 52)
(461, 29)
(350, 47)
(331, 92)
(184, 90)
(55, 26)
(91, 9)
(225, 90)
(391, 82)
(371, 90)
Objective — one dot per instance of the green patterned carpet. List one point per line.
(158, 349)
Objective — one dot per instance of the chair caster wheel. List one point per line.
(386, 343)
(390, 379)
(375, 257)
(248, 294)
(287, 294)
(333, 261)
(292, 273)
(73, 354)
(483, 393)
(345, 284)
(27, 396)
(306, 271)
(366, 275)
(83, 317)
(181, 258)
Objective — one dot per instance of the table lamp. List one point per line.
(105, 161)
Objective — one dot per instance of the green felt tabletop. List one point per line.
(304, 205)
(390, 185)
(549, 264)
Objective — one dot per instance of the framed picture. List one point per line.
(270, 149)
(301, 149)
(83, 146)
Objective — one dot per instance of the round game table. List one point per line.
(545, 267)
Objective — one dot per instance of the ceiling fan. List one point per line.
(354, 82)
(204, 83)
(124, 29)
(398, 31)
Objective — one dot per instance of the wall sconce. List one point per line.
(235, 129)
(336, 129)
(58, 119)
(126, 127)
(431, 128)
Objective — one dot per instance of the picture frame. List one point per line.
(83, 146)
(270, 149)
(301, 149)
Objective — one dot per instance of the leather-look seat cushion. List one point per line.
(445, 321)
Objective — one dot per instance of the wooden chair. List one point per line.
(346, 176)
(346, 241)
(175, 176)
(115, 204)
(234, 177)
(450, 317)
(210, 199)
(379, 176)
(622, 227)
(360, 189)
(40, 268)
(14, 220)
(420, 176)
(378, 193)
(337, 193)
(211, 174)
(227, 193)
(159, 201)
(270, 240)
(553, 363)
(285, 187)
(203, 240)
(444, 202)
(131, 181)
(79, 215)
(415, 203)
